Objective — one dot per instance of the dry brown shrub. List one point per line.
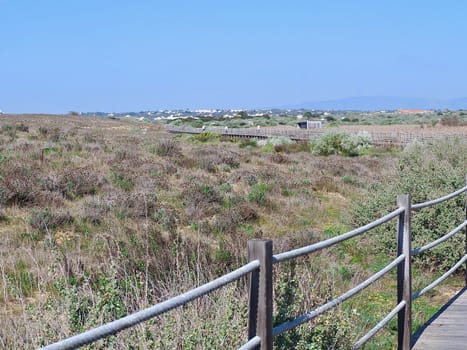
(247, 212)
(279, 158)
(93, 147)
(134, 204)
(22, 127)
(49, 219)
(51, 198)
(184, 161)
(128, 158)
(209, 157)
(208, 162)
(201, 197)
(167, 148)
(77, 182)
(228, 220)
(94, 210)
(169, 168)
(325, 184)
(18, 185)
(23, 146)
(3, 216)
(297, 239)
(56, 135)
(149, 183)
(451, 121)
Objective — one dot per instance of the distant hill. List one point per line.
(374, 103)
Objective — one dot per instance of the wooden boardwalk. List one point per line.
(378, 138)
(447, 330)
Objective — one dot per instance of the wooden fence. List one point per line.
(378, 138)
(260, 271)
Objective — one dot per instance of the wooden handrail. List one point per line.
(259, 268)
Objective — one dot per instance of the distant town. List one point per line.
(232, 113)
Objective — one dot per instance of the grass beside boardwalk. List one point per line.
(100, 218)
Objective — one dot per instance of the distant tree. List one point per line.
(307, 115)
(242, 114)
(73, 113)
(197, 124)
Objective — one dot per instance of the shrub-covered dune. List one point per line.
(100, 218)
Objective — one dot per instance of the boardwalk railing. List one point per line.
(378, 138)
(260, 271)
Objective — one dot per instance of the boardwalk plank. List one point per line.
(448, 329)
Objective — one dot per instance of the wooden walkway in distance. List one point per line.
(447, 329)
(378, 138)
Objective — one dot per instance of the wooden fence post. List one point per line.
(404, 276)
(260, 298)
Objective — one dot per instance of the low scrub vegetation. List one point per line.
(424, 173)
(100, 218)
(340, 143)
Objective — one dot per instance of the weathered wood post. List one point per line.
(404, 275)
(260, 298)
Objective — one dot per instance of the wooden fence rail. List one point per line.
(260, 271)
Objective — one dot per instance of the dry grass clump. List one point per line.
(135, 204)
(167, 148)
(49, 219)
(22, 145)
(3, 216)
(279, 158)
(77, 182)
(94, 209)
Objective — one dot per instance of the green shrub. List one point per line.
(424, 172)
(201, 199)
(9, 130)
(340, 143)
(258, 193)
(292, 147)
(270, 144)
(330, 331)
(248, 143)
(122, 180)
(206, 137)
(197, 124)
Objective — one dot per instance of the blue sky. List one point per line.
(111, 55)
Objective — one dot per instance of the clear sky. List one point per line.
(112, 55)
